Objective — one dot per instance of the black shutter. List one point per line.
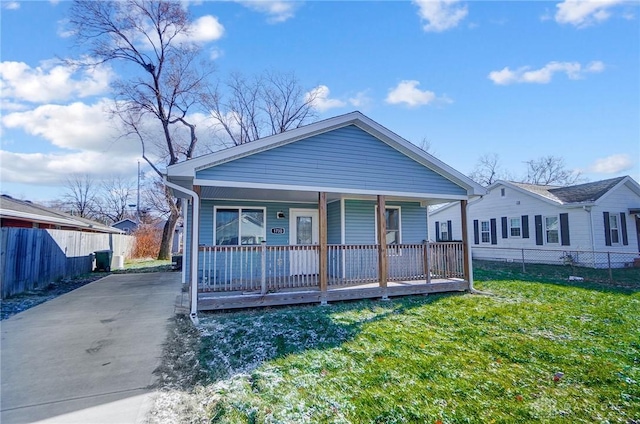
(623, 228)
(539, 240)
(476, 232)
(525, 226)
(564, 229)
(437, 231)
(494, 232)
(607, 229)
(505, 230)
(449, 230)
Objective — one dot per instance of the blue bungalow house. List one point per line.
(330, 211)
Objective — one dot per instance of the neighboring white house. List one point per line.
(602, 216)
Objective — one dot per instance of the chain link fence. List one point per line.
(577, 265)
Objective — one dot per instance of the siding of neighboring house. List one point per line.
(345, 158)
(581, 229)
(616, 202)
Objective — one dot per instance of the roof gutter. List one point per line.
(195, 223)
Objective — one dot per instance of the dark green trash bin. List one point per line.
(103, 260)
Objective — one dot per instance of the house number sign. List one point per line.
(277, 230)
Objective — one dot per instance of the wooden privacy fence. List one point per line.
(32, 257)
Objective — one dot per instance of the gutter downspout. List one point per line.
(195, 223)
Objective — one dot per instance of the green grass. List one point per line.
(457, 358)
(144, 265)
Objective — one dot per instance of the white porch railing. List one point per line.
(269, 268)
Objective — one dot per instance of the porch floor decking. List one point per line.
(208, 301)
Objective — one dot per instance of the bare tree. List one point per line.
(488, 170)
(80, 195)
(550, 170)
(260, 106)
(165, 83)
(112, 203)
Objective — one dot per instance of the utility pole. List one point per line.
(138, 202)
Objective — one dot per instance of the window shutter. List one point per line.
(505, 230)
(539, 240)
(476, 232)
(525, 226)
(564, 229)
(623, 228)
(607, 229)
(437, 230)
(494, 232)
(449, 230)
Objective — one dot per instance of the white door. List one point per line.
(303, 231)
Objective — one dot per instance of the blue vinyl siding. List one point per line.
(360, 222)
(347, 158)
(333, 223)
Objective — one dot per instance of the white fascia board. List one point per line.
(239, 184)
(443, 208)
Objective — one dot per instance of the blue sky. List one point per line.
(517, 79)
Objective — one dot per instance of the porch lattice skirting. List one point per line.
(249, 276)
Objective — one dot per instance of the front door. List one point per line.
(303, 233)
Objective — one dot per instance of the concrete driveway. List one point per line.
(87, 356)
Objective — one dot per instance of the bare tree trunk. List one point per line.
(167, 236)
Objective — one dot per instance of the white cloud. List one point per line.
(440, 15)
(583, 13)
(573, 70)
(206, 28)
(407, 92)
(361, 99)
(52, 81)
(613, 164)
(276, 11)
(11, 5)
(321, 100)
(54, 168)
(77, 126)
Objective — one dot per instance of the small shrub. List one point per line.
(147, 241)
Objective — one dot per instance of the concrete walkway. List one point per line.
(87, 356)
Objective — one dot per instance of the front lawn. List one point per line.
(534, 352)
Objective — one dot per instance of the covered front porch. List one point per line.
(334, 210)
(283, 248)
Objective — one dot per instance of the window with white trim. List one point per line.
(239, 226)
(444, 231)
(393, 220)
(613, 228)
(485, 231)
(515, 227)
(551, 229)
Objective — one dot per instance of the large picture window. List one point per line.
(234, 226)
